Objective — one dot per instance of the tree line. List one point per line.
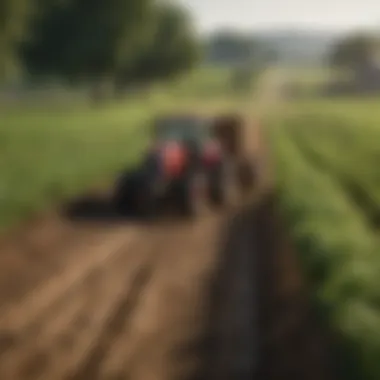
(122, 41)
(356, 50)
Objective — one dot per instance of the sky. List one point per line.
(334, 15)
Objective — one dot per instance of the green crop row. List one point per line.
(338, 251)
(47, 157)
(348, 151)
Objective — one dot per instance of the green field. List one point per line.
(49, 153)
(327, 155)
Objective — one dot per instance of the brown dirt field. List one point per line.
(128, 289)
(221, 297)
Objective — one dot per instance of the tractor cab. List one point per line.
(182, 129)
(189, 134)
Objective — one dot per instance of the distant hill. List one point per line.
(298, 46)
(291, 47)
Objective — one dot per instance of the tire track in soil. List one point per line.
(119, 326)
(169, 311)
(76, 317)
(119, 320)
(95, 247)
(32, 249)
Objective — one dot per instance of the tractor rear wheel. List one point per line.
(246, 176)
(132, 196)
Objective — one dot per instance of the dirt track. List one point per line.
(218, 298)
(120, 289)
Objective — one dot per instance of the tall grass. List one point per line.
(321, 149)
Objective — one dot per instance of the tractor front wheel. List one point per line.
(246, 175)
(188, 197)
(125, 193)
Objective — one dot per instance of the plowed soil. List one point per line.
(218, 298)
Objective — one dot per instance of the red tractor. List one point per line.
(186, 164)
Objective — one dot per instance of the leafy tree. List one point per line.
(83, 39)
(354, 51)
(13, 21)
(118, 41)
(171, 48)
(44, 51)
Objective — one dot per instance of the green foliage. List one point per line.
(208, 83)
(48, 156)
(119, 40)
(13, 20)
(242, 79)
(354, 51)
(341, 148)
(337, 246)
(171, 49)
(85, 39)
